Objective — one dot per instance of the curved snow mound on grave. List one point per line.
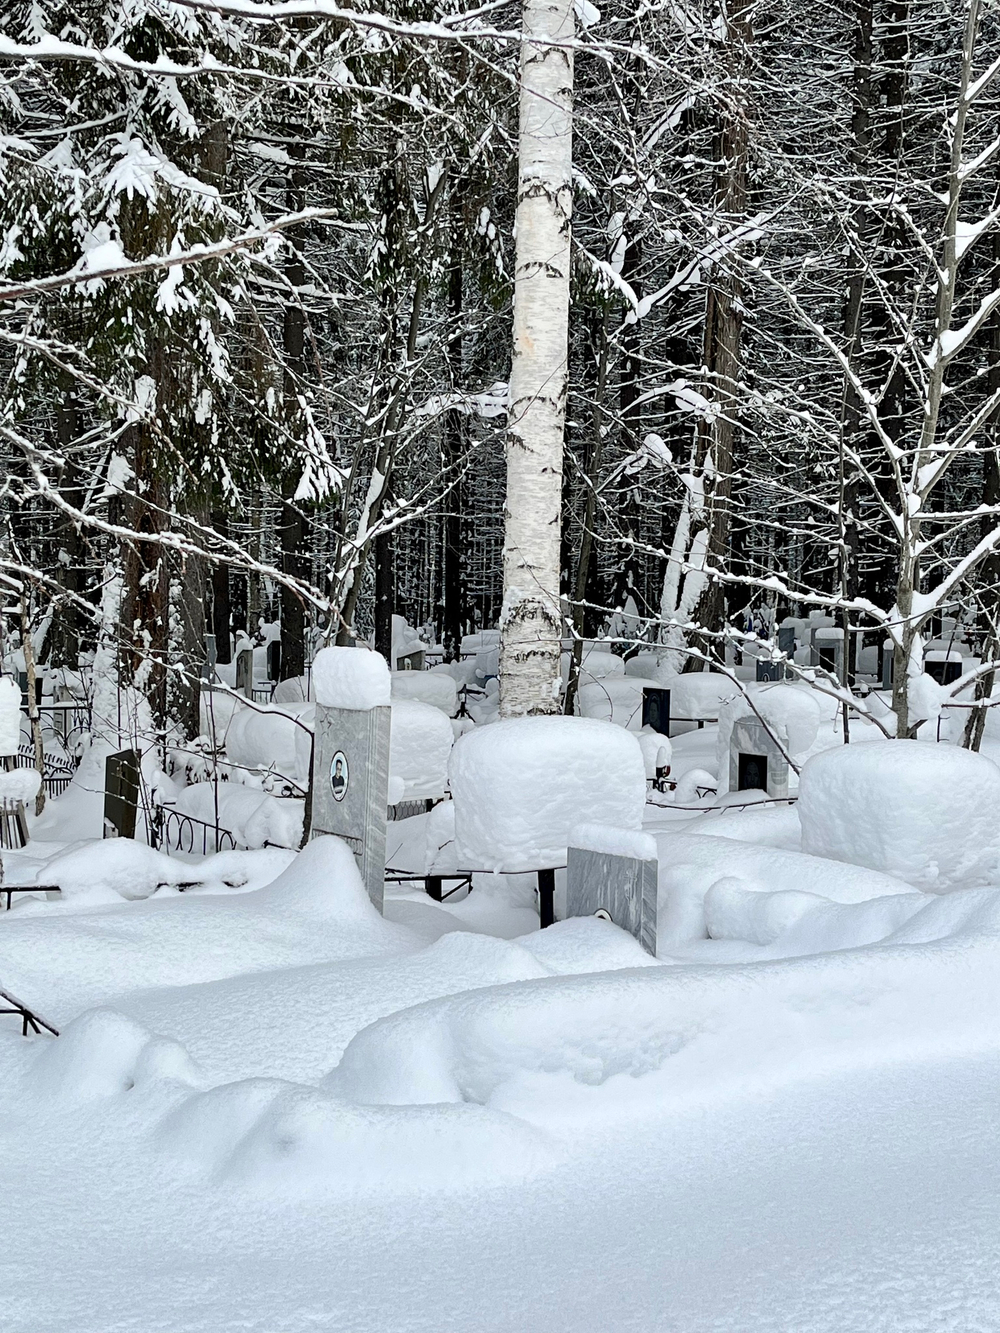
(520, 786)
(420, 741)
(115, 866)
(323, 881)
(585, 944)
(251, 816)
(700, 694)
(925, 812)
(272, 739)
(770, 826)
(690, 864)
(350, 678)
(427, 687)
(616, 699)
(290, 1139)
(672, 1033)
(103, 1053)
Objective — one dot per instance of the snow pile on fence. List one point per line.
(20, 784)
(925, 812)
(521, 785)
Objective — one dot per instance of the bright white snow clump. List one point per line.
(10, 716)
(351, 678)
(420, 741)
(20, 784)
(427, 687)
(924, 812)
(520, 786)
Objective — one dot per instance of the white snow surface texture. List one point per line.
(927, 813)
(521, 785)
(276, 1111)
(350, 678)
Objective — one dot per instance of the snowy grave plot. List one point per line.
(919, 810)
(613, 873)
(350, 769)
(755, 759)
(121, 794)
(244, 672)
(520, 786)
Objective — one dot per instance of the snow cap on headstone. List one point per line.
(351, 678)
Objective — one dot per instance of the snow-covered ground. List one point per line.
(272, 1109)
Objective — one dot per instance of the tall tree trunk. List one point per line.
(531, 621)
(722, 357)
(455, 440)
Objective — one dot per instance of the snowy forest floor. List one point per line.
(817, 1152)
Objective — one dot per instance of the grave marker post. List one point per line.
(121, 793)
(350, 785)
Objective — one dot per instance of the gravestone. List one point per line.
(22, 680)
(350, 785)
(828, 647)
(786, 640)
(211, 658)
(755, 759)
(944, 667)
(656, 709)
(770, 670)
(411, 661)
(121, 794)
(274, 660)
(244, 672)
(887, 666)
(620, 888)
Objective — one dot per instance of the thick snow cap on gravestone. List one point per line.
(10, 716)
(922, 811)
(351, 678)
(520, 787)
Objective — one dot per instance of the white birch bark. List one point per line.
(531, 621)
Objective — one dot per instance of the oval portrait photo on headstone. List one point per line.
(340, 775)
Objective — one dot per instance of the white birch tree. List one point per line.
(531, 622)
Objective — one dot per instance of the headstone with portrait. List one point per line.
(350, 785)
(615, 879)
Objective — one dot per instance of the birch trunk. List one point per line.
(531, 622)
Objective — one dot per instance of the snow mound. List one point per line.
(115, 866)
(924, 812)
(270, 738)
(427, 687)
(251, 816)
(586, 944)
(325, 882)
(616, 699)
(656, 1036)
(290, 1139)
(656, 750)
(690, 864)
(420, 742)
(700, 694)
(20, 784)
(520, 786)
(103, 1053)
(770, 826)
(350, 678)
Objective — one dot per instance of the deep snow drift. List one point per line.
(272, 1109)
